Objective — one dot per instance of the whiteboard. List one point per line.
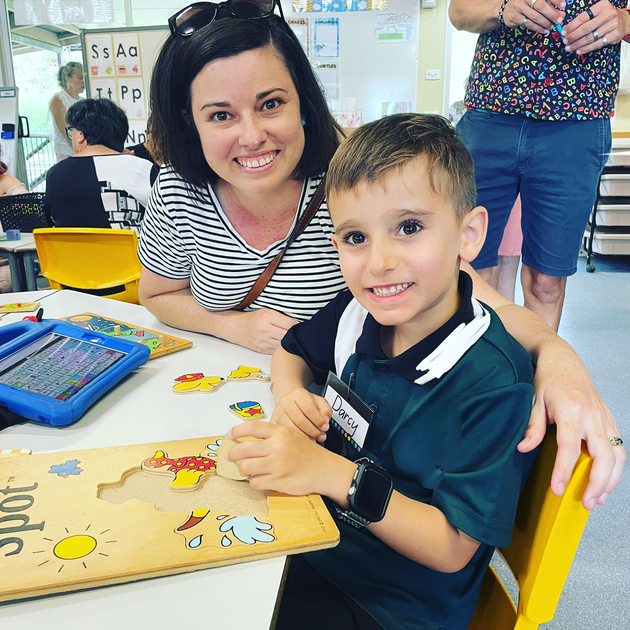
(370, 71)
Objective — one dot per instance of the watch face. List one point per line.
(372, 493)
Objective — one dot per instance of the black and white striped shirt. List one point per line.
(183, 238)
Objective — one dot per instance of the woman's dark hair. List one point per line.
(182, 58)
(100, 121)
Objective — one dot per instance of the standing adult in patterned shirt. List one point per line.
(539, 103)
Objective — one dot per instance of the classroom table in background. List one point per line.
(140, 409)
(21, 255)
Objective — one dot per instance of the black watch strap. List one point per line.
(352, 518)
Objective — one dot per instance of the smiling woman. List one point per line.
(235, 103)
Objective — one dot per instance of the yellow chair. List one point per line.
(93, 260)
(546, 536)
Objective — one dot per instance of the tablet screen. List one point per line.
(56, 366)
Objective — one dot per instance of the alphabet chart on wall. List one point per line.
(118, 65)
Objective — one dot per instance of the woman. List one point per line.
(70, 78)
(99, 187)
(237, 164)
(244, 130)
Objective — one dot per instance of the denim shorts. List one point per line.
(555, 166)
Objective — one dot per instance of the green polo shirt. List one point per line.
(449, 414)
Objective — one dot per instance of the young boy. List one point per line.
(451, 393)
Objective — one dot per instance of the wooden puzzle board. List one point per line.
(159, 343)
(57, 535)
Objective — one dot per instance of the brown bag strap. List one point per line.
(265, 276)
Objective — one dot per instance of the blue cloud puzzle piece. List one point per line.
(64, 470)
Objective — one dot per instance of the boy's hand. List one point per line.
(285, 460)
(305, 411)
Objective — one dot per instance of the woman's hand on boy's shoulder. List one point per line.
(308, 413)
(285, 460)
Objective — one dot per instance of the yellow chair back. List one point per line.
(90, 260)
(545, 538)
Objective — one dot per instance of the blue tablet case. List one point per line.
(52, 372)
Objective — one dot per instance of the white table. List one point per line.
(142, 408)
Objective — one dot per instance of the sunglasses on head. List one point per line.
(200, 14)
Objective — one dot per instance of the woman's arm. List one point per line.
(7, 182)
(481, 16)
(172, 302)
(565, 395)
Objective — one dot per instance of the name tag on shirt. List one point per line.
(350, 421)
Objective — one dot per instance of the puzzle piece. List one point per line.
(248, 410)
(186, 471)
(71, 467)
(225, 468)
(204, 384)
(245, 373)
(19, 307)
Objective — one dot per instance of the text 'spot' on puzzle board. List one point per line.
(89, 518)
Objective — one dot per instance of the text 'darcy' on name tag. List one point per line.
(351, 417)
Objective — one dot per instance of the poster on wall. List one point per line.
(326, 37)
(328, 74)
(131, 97)
(137, 132)
(127, 54)
(300, 26)
(103, 88)
(394, 28)
(100, 54)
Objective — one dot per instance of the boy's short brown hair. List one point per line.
(376, 148)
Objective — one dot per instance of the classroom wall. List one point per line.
(431, 41)
(622, 113)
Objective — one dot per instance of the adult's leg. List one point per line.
(510, 253)
(491, 274)
(493, 141)
(557, 197)
(508, 270)
(544, 295)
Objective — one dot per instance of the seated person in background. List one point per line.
(147, 150)
(450, 388)
(9, 185)
(100, 186)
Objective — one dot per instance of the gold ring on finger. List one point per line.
(616, 441)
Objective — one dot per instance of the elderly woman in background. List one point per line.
(246, 138)
(99, 187)
(70, 78)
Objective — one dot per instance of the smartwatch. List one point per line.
(368, 496)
